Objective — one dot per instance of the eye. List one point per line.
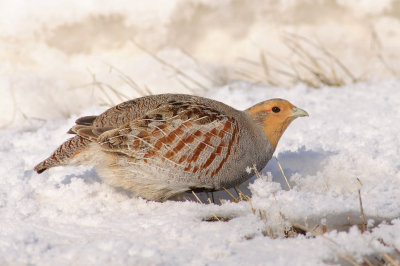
(276, 109)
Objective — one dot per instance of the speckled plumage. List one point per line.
(163, 145)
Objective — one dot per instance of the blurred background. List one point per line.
(59, 57)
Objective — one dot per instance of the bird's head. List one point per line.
(274, 116)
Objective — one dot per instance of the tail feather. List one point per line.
(64, 153)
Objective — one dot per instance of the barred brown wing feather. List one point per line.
(193, 137)
(89, 132)
(86, 120)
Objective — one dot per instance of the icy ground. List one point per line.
(52, 53)
(68, 216)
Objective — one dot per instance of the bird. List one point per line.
(161, 146)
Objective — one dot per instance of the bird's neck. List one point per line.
(272, 127)
(274, 131)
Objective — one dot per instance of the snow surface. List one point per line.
(67, 215)
(51, 52)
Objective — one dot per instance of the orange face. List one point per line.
(274, 116)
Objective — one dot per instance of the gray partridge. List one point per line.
(161, 146)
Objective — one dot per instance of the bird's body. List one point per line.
(161, 146)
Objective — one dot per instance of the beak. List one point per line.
(297, 112)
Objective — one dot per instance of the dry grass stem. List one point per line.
(130, 81)
(209, 201)
(353, 222)
(256, 171)
(362, 215)
(389, 259)
(327, 53)
(105, 89)
(242, 195)
(309, 63)
(230, 194)
(325, 183)
(219, 199)
(385, 256)
(346, 258)
(216, 217)
(368, 262)
(251, 206)
(340, 254)
(205, 72)
(271, 233)
(264, 64)
(198, 199)
(163, 62)
(185, 85)
(364, 227)
(100, 86)
(111, 94)
(283, 173)
(249, 76)
(260, 214)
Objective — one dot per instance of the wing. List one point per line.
(189, 132)
(190, 136)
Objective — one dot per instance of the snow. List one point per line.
(67, 215)
(50, 55)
